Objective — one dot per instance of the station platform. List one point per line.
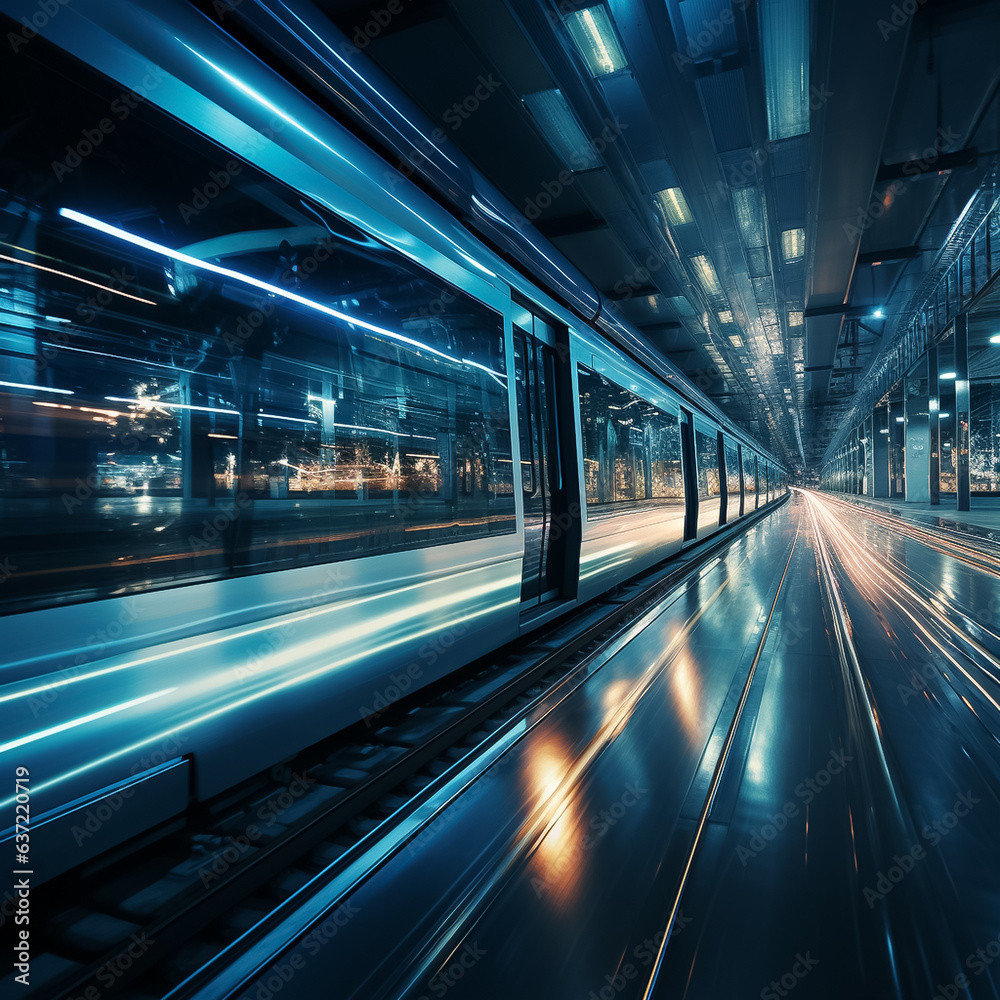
(786, 778)
(985, 513)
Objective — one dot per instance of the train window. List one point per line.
(707, 445)
(749, 479)
(732, 477)
(202, 374)
(631, 448)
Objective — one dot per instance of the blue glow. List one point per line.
(149, 402)
(278, 416)
(83, 720)
(784, 26)
(36, 388)
(226, 272)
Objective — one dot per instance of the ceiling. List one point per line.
(889, 127)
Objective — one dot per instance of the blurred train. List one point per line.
(280, 436)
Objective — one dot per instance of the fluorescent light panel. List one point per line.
(726, 316)
(36, 388)
(793, 244)
(674, 206)
(750, 216)
(564, 133)
(784, 26)
(594, 35)
(705, 270)
(795, 318)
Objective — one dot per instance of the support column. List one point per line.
(917, 435)
(934, 409)
(963, 416)
(880, 452)
(869, 456)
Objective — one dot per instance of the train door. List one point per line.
(690, 471)
(550, 532)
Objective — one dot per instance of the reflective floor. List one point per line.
(846, 844)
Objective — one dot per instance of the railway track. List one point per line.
(148, 919)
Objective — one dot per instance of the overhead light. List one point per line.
(706, 274)
(726, 316)
(277, 290)
(594, 35)
(878, 313)
(750, 216)
(36, 388)
(793, 244)
(943, 415)
(946, 376)
(884, 430)
(674, 206)
(785, 43)
(795, 318)
(736, 341)
(899, 420)
(147, 402)
(564, 133)
(995, 339)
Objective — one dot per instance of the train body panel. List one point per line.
(377, 482)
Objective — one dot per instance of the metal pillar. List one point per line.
(869, 456)
(934, 409)
(917, 434)
(963, 488)
(880, 452)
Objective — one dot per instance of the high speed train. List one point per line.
(280, 435)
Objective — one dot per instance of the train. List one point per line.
(281, 436)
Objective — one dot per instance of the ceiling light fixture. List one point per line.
(706, 274)
(593, 33)
(793, 244)
(565, 135)
(674, 206)
(784, 26)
